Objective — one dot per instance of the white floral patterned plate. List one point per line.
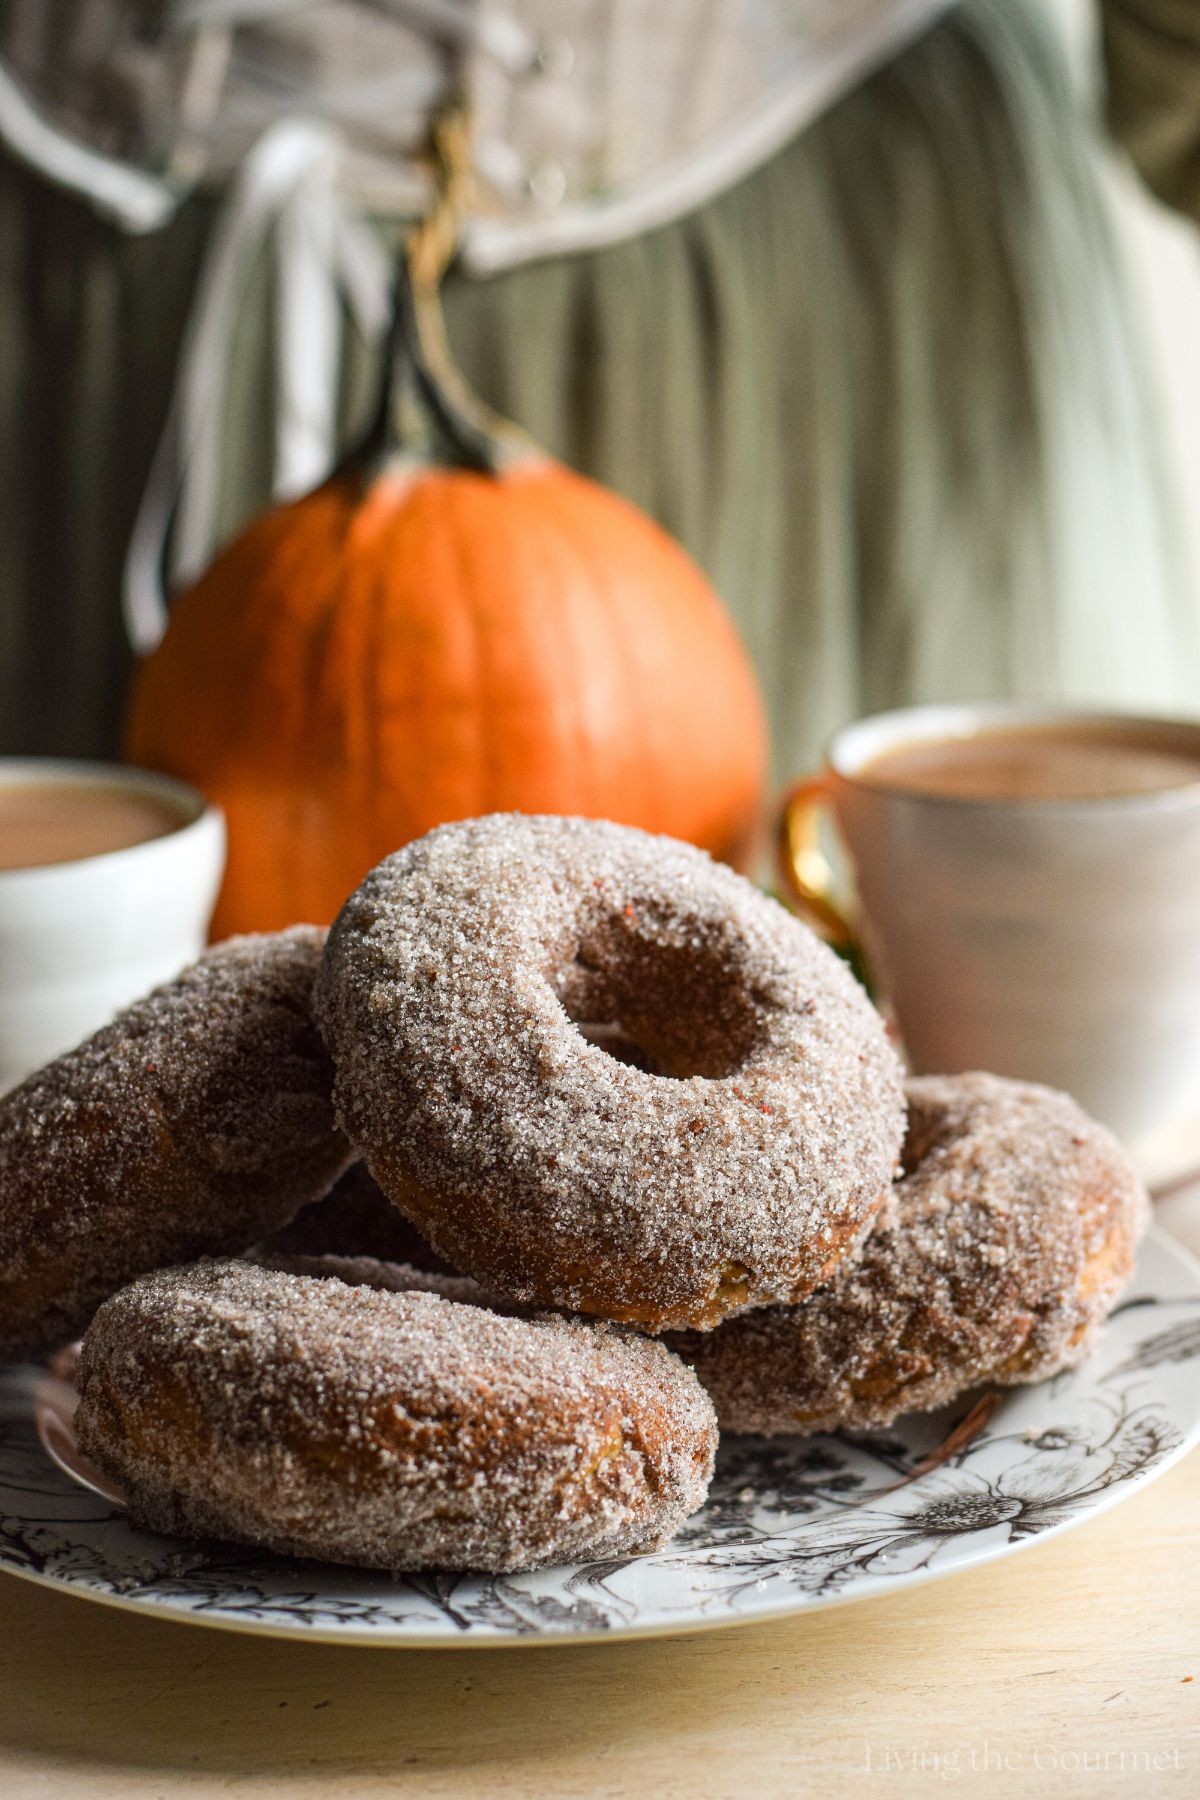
(791, 1524)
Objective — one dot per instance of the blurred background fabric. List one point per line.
(888, 387)
(1152, 51)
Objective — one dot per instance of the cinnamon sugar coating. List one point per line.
(199, 1120)
(389, 1276)
(732, 1171)
(998, 1257)
(389, 1429)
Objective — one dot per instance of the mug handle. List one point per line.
(804, 869)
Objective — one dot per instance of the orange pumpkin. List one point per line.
(452, 624)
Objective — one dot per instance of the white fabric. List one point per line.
(833, 62)
(595, 119)
(133, 199)
(289, 183)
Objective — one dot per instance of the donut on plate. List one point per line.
(996, 1260)
(199, 1120)
(734, 1170)
(391, 1429)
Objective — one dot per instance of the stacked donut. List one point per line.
(646, 1139)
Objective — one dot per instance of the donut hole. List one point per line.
(672, 1009)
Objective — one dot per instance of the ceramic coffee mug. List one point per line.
(79, 940)
(1056, 940)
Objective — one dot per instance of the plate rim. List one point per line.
(871, 1587)
(489, 1637)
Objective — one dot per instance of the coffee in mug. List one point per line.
(43, 823)
(1028, 894)
(1074, 760)
(107, 881)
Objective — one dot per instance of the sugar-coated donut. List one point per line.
(199, 1120)
(735, 1171)
(998, 1257)
(388, 1429)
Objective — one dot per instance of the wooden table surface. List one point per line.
(1074, 1667)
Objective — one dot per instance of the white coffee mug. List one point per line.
(1057, 940)
(79, 940)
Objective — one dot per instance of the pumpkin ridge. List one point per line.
(650, 760)
(368, 791)
(600, 585)
(459, 554)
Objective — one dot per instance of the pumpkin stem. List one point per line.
(418, 409)
(426, 409)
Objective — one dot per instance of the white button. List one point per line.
(547, 184)
(554, 58)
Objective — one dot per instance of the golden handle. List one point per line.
(804, 869)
